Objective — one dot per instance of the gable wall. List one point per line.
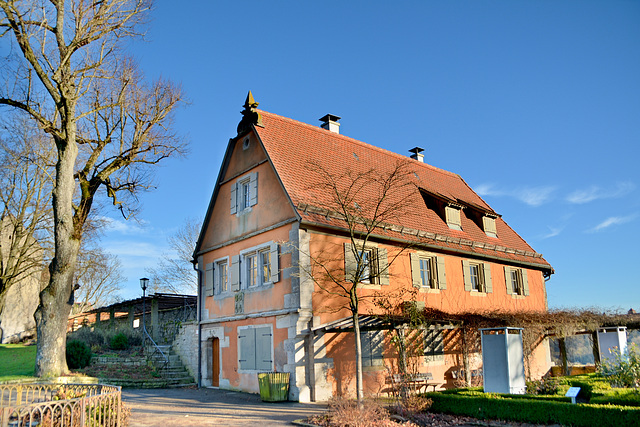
(272, 207)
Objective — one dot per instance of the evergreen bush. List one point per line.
(119, 341)
(78, 354)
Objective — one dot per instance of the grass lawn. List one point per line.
(17, 361)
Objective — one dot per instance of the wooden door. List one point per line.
(215, 363)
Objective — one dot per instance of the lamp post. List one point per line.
(144, 282)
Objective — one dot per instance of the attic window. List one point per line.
(489, 225)
(452, 213)
(245, 143)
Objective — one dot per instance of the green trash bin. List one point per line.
(274, 386)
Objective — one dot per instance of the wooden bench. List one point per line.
(413, 382)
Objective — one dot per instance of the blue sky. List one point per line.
(536, 104)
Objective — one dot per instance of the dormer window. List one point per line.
(489, 226)
(452, 213)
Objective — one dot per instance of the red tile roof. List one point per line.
(292, 146)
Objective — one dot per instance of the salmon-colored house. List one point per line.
(269, 221)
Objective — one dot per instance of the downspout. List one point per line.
(199, 315)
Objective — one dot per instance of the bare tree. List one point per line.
(98, 275)
(25, 200)
(364, 203)
(174, 272)
(66, 71)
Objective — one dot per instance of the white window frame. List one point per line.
(438, 280)
(519, 278)
(270, 250)
(217, 283)
(485, 284)
(375, 269)
(244, 193)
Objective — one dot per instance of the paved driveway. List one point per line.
(209, 407)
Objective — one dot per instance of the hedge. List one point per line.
(536, 411)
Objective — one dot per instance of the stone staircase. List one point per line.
(174, 374)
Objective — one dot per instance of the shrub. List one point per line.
(624, 397)
(346, 413)
(536, 411)
(544, 386)
(78, 354)
(624, 369)
(119, 341)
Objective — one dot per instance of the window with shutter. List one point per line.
(244, 193)
(489, 224)
(221, 276)
(516, 281)
(434, 345)
(255, 348)
(235, 273)
(208, 279)
(477, 276)
(372, 344)
(247, 346)
(452, 213)
(264, 344)
(260, 265)
(368, 264)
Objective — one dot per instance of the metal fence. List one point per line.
(56, 405)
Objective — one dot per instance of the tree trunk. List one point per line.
(566, 369)
(595, 348)
(53, 312)
(465, 358)
(356, 331)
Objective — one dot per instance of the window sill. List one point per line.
(478, 294)
(518, 296)
(374, 286)
(243, 212)
(258, 288)
(429, 290)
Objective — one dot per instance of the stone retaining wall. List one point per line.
(185, 345)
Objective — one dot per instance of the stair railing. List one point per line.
(156, 350)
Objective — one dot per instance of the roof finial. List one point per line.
(250, 115)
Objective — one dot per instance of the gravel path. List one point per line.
(210, 407)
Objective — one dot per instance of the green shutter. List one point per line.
(415, 270)
(253, 197)
(488, 284)
(208, 280)
(273, 260)
(235, 273)
(466, 274)
(263, 349)
(525, 282)
(442, 278)
(507, 280)
(247, 356)
(350, 264)
(234, 199)
(383, 267)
